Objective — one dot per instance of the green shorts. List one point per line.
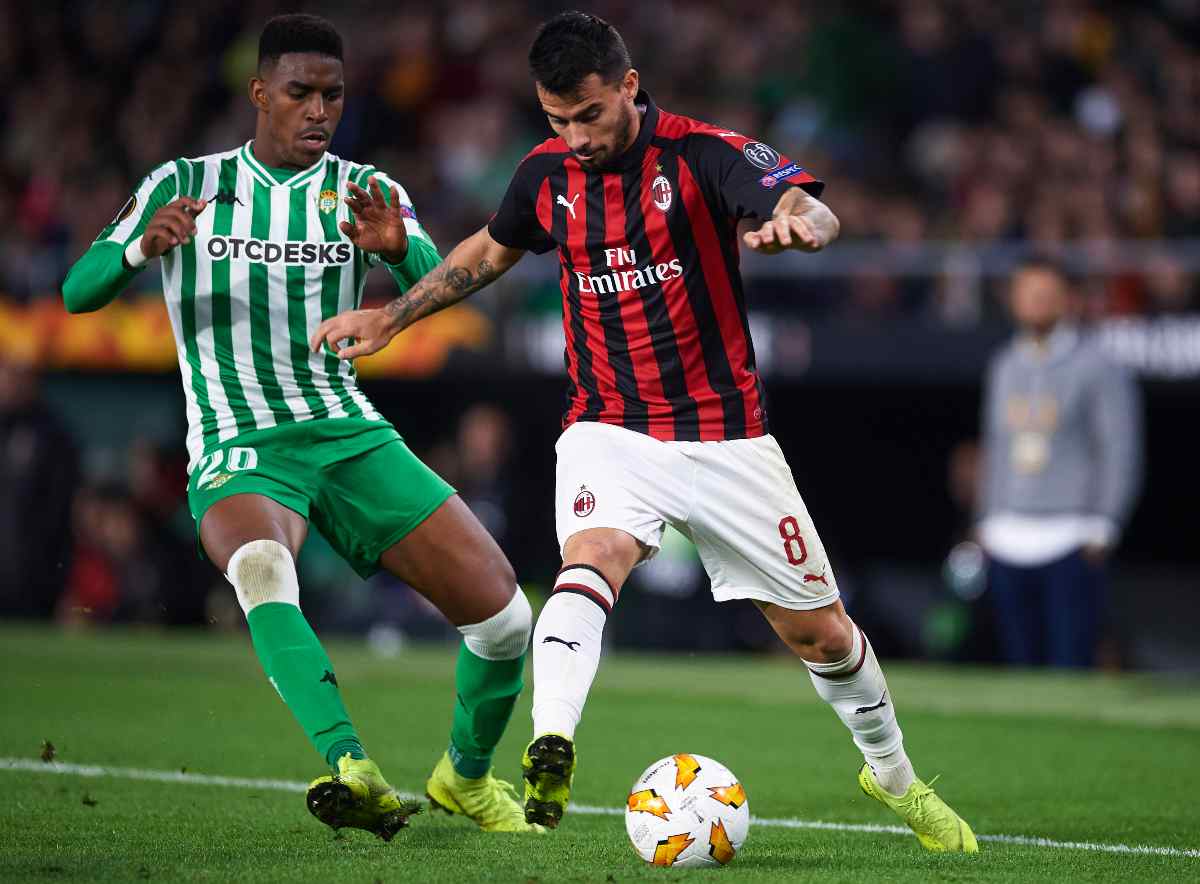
(354, 479)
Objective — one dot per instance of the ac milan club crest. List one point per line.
(660, 192)
(585, 502)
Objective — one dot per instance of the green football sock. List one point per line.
(300, 670)
(487, 691)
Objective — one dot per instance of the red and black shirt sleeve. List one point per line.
(745, 176)
(516, 223)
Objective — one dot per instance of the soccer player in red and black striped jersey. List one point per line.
(666, 421)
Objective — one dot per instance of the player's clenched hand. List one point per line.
(173, 224)
(370, 330)
(376, 225)
(784, 231)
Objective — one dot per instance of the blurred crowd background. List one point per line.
(955, 136)
(932, 120)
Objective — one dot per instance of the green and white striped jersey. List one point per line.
(266, 266)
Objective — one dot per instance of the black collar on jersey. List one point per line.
(632, 156)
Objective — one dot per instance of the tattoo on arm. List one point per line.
(439, 288)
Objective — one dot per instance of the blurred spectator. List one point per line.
(1062, 444)
(118, 574)
(484, 476)
(39, 471)
(160, 501)
(477, 461)
(1170, 288)
(1183, 193)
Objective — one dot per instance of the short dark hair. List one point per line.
(298, 32)
(1047, 264)
(573, 45)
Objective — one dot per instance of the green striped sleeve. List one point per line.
(421, 258)
(155, 191)
(100, 274)
(416, 233)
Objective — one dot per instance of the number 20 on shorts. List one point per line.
(793, 543)
(235, 460)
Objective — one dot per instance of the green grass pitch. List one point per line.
(1071, 758)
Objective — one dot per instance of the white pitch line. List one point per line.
(193, 779)
(158, 776)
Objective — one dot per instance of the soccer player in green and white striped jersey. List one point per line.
(259, 245)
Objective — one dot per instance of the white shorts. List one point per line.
(736, 500)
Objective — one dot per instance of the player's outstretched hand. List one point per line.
(370, 330)
(172, 225)
(376, 225)
(784, 231)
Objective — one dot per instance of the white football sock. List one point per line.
(263, 571)
(504, 635)
(857, 691)
(566, 648)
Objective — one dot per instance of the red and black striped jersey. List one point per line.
(657, 338)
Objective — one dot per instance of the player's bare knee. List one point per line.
(823, 635)
(263, 571)
(593, 548)
(831, 635)
(835, 639)
(613, 553)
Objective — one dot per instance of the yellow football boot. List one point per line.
(489, 802)
(936, 825)
(358, 797)
(549, 766)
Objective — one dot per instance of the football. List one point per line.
(687, 810)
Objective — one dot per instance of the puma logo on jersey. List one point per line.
(816, 578)
(553, 638)
(570, 206)
(882, 702)
(330, 677)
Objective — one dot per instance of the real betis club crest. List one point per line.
(327, 201)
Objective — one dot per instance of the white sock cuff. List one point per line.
(134, 255)
(504, 635)
(850, 664)
(263, 571)
(588, 582)
(574, 606)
